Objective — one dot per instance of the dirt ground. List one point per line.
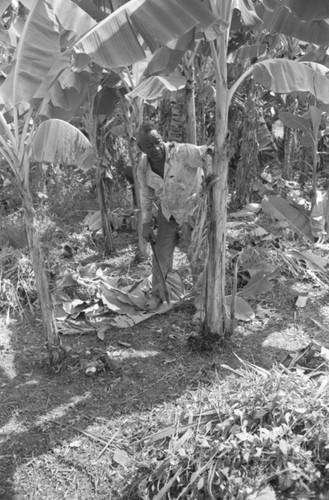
(47, 421)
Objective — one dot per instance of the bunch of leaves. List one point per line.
(12, 230)
(65, 192)
(17, 283)
(254, 435)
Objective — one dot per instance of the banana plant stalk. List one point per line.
(97, 138)
(15, 147)
(132, 120)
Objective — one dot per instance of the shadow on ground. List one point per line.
(42, 414)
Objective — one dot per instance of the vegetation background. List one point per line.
(161, 408)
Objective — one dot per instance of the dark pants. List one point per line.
(170, 234)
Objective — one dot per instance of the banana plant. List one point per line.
(22, 145)
(114, 42)
(50, 28)
(119, 41)
(309, 124)
(54, 82)
(281, 76)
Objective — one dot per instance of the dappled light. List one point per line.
(7, 358)
(124, 354)
(60, 411)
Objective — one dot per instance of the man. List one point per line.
(171, 174)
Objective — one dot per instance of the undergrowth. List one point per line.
(258, 432)
(17, 283)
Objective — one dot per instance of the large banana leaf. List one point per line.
(56, 141)
(167, 58)
(280, 209)
(294, 121)
(154, 87)
(4, 4)
(63, 97)
(284, 76)
(114, 42)
(246, 52)
(309, 9)
(282, 20)
(51, 27)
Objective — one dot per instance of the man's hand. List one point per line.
(148, 233)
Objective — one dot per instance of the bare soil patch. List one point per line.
(60, 433)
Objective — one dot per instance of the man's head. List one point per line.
(150, 142)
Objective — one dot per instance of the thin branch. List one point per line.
(106, 446)
(85, 433)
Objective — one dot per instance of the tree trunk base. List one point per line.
(56, 357)
(205, 341)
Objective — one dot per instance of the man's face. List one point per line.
(152, 145)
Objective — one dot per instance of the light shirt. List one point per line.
(184, 169)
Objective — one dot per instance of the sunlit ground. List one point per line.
(7, 357)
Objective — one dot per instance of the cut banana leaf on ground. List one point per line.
(121, 306)
(270, 270)
(257, 285)
(130, 320)
(243, 311)
(280, 209)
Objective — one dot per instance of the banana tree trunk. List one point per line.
(131, 125)
(215, 314)
(202, 121)
(248, 163)
(289, 141)
(56, 353)
(176, 127)
(106, 226)
(98, 138)
(190, 101)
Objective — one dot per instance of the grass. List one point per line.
(17, 283)
(252, 433)
(258, 429)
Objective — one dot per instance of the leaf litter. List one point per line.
(248, 436)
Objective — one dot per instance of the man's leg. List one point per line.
(165, 247)
(197, 261)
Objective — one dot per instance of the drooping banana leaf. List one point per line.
(153, 87)
(282, 20)
(114, 42)
(56, 141)
(50, 28)
(167, 58)
(243, 311)
(280, 209)
(284, 76)
(61, 97)
(295, 122)
(246, 52)
(309, 9)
